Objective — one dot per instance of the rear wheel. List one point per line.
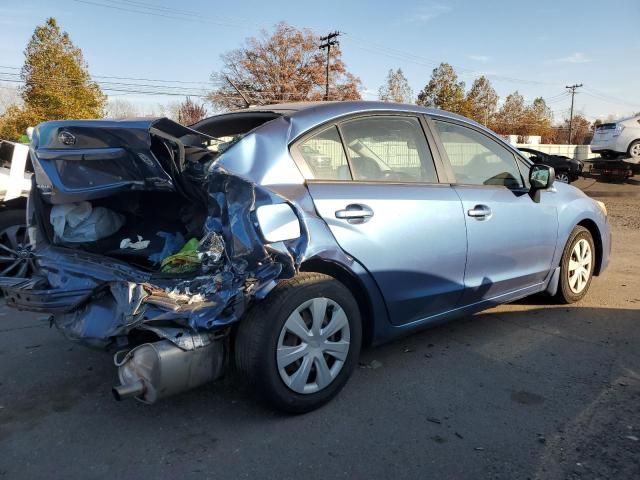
(634, 150)
(577, 265)
(299, 346)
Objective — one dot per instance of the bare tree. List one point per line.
(396, 89)
(282, 66)
(582, 131)
(9, 96)
(190, 112)
(119, 108)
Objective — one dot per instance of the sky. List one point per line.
(536, 48)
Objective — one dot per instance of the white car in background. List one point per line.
(611, 140)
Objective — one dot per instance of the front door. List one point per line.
(511, 237)
(385, 207)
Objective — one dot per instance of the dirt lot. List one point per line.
(528, 390)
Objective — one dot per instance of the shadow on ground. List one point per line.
(503, 394)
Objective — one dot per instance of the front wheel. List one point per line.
(577, 265)
(563, 177)
(299, 346)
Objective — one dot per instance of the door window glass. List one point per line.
(476, 159)
(325, 156)
(388, 149)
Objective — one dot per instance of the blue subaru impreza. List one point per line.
(284, 238)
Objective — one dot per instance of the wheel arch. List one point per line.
(597, 241)
(631, 143)
(355, 286)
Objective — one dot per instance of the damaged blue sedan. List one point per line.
(285, 238)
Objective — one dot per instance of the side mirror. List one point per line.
(541, 177)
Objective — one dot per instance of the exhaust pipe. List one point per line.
(134, 389)
(156, 370)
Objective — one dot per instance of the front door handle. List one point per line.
(355, 213)
(480, 212)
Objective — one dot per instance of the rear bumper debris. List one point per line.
(100, 300)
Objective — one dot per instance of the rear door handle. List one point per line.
(480, 212)
(355, 213)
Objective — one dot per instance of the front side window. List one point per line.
(391, 149)
(476, 159)
(324, 155)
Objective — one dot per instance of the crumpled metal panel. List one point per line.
(125, 298)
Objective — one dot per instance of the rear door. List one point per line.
(374, 181)
(511, 237)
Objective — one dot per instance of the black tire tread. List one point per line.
(564, 294)
(253, 339)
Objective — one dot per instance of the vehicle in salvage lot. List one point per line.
(620, 138)
(289, 269)
(567, 169)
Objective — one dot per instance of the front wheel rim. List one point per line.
(580, 263)
(313, 345)
(635, 151)
(563, 177)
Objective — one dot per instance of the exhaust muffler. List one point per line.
(156, 370)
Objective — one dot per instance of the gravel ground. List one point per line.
(527, 390)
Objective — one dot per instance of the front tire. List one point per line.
(576, 267)
(298, 347)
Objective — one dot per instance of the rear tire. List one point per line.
(282, 326)
(576, 266)
(634, 150)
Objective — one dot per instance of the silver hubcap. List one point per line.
(562, 177)
(313, 345)
(580, 266)
(635, 151)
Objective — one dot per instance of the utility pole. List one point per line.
(235, 87)
(329, 41)
(573, 89)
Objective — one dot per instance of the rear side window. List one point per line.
(388, 149)
(324, 155)
(476, 159)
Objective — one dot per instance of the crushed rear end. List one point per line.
(145, 247)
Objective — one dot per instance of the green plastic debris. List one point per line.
(185, 261)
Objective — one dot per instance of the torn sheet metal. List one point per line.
(236, 265)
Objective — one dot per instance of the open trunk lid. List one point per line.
(76, 160)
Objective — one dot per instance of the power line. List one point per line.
(145, 10)
(180, 14)
(608, 98)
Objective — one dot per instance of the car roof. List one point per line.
(307, 115)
